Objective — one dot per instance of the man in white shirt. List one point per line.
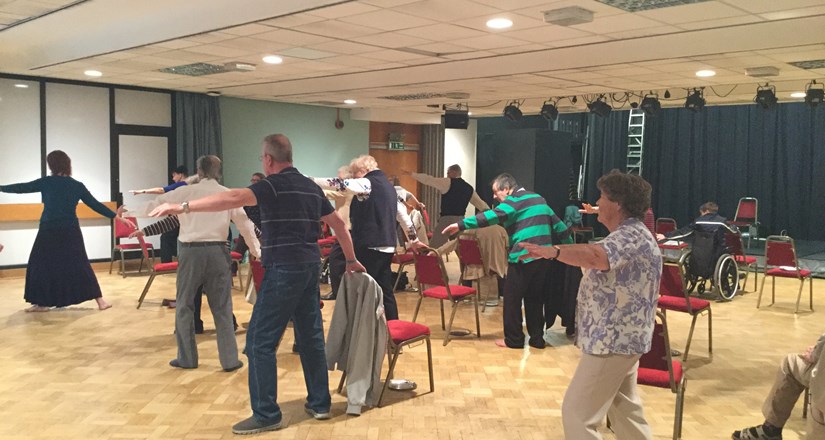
(203, 259)
(455, 195)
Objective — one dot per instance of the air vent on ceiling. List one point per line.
(811, 64)
(413, 96)
(196, 69)
(761, 72)
(568, 16)
(644, 5)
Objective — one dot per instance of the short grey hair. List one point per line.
(279, 147)
(456, 168)
(365, 163)
(504, 181)
(209, 167)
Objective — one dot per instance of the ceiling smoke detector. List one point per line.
(568, 16)
(761, 72)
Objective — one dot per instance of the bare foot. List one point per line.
(501, 343)
(102, 304)
(36, 308)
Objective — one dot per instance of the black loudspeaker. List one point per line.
(456, 119)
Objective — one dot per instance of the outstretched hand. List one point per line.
(536, 251)
(136, 233)
(450, 230)
(126, 222)
(166, 209)
(589, 209)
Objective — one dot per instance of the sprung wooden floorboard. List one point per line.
(79, 373)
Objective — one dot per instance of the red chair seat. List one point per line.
(329, 241)
(659, 378)
(785, 273)
(130, 246)
(166, 267)
(236, 255)
(740, 223)
(401, 331)
(744, 259)
(678, 304)
(440, 292)
(402, 258)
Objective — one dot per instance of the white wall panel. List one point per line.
(143, 108)
(19, 137)
(77, 122)
(460, 148)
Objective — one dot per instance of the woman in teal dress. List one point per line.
(58, 273)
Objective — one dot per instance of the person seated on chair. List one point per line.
(797, 372)
(706, 222)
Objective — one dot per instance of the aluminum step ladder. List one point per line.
(635, 141)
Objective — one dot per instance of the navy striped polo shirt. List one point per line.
(291, 208)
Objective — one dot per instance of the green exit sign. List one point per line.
(396, 145)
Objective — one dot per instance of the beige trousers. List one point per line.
(792, 378)
(604, 385)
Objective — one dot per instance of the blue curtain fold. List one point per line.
(198, 126)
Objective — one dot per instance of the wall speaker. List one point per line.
(456, 119)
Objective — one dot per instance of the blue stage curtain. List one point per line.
(726, 152)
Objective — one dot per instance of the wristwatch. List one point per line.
(185, 206)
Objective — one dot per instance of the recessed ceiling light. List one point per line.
(705, 73)
(350, 101)
(273, 59)
(499, 23)
(26, 86)
(798, 95)
(94, 73)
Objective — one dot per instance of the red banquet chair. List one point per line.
(237, 258)
(119, 232)
(154, 269)
(658, 369)
(747, 217)
(469, 254)
(780, 261)
(402, 260)
(674, 296)
(430, 271)
(665, 225)
(733, 241)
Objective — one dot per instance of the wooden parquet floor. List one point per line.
(79, 373)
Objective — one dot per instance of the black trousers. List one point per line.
(525, 281)
(337, 266)
(379, 266)
(169, 245)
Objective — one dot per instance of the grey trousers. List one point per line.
(791, 380)
(207, 264)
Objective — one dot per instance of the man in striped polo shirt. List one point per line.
(527, 219)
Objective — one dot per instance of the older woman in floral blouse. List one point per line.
(615, 314)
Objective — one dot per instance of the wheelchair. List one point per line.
(709, 265)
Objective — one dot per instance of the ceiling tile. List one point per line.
(721, 22)
(443, 32)
(248, 44)
(446, 11)
(794, 13)
(392, 40)
(337, 29)
(387, 20)
(488, 42)
(292, 38)
(548, 34)
(637, 33)
(291, 21)
(758, 6)
(344, 10)
(215, 50)
(343, 47)
(692, 12)
(618, 23)
(392, 55)
(442, 48)
(247, 29)
(306, 53)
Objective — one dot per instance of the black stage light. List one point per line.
(512, 112)
(600, 107)
(634, 104)
(549, 111)
(765, 96)
(667, 94)
(574, 100)
(695, 101)
(650, 104)
(814, 93)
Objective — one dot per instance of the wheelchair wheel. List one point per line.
(726, 277)
(690, 279)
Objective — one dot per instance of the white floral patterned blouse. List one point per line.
(616, 308)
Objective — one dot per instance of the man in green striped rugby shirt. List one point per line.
(527, 219)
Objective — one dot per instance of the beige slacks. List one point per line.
(604, 385)
(792, 378)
